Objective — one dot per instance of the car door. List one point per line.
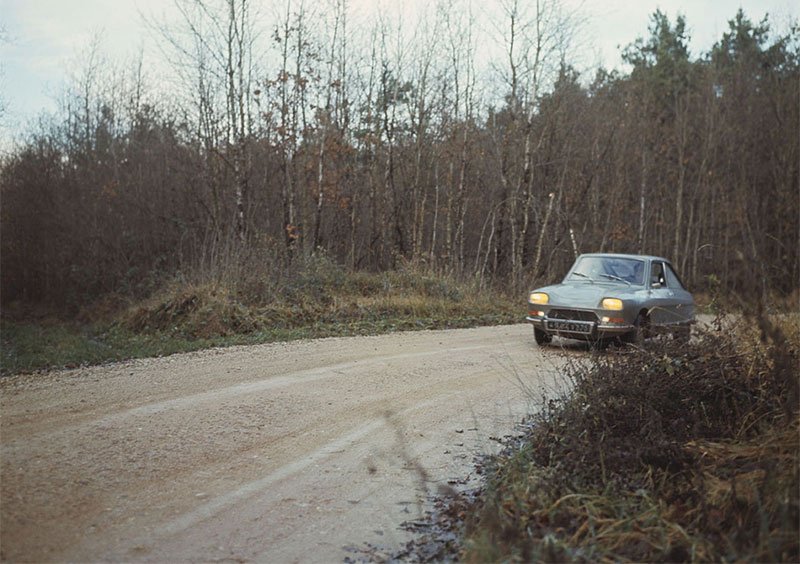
(660, 297)
(681, 303)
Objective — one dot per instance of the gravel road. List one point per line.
(281, 452)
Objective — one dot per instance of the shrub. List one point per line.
(663, 454)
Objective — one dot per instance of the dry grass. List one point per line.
(319, 293)
(666, 454)
(248, 301)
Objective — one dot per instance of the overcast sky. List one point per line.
(43, 38)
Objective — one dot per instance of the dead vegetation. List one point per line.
(666, 454)
(318, 293)
(247, 301)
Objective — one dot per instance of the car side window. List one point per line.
(672, 279)
(657, 274)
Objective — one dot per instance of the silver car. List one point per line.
(607, 297)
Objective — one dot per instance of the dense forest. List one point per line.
(376, 146)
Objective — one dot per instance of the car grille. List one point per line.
(572, 314)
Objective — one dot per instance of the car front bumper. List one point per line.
(596, 329)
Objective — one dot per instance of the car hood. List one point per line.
(582, 294)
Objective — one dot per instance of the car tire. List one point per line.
(541, 337)
(640, 332)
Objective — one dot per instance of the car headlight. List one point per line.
(538, 298)
(613, 304)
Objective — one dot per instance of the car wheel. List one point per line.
(541, 337)
(639, 333)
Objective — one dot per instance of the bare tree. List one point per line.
(326, 114)
(533, 41)
(212, 48)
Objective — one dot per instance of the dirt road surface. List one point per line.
(281, 452)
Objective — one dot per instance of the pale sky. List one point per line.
(43, 39)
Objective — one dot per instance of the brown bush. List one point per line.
(662, 454)
(195, 311)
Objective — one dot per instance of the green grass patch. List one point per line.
(28, 347)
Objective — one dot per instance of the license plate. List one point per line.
(570, 326)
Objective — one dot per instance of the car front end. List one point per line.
(590, 318)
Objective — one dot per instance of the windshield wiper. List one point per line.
(584, 276)
(616, 278)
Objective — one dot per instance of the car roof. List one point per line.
(618, 255)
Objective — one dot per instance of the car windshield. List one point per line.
(615, 269)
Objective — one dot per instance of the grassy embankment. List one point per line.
(666, 454)
(318, 299)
